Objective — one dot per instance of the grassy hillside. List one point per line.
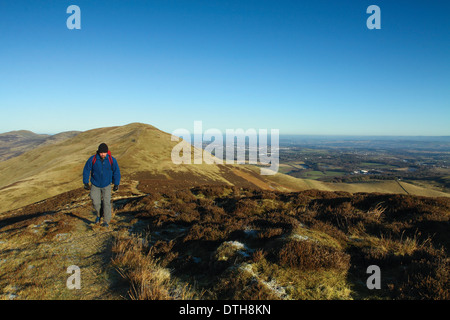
(142, 151)
(382, 186)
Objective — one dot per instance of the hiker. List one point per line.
(103, 170)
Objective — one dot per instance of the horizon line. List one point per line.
(268, 132)
(336, 135)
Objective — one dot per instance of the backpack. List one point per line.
(110, 159)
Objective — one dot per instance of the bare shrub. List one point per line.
(270, 233)
(239, 285)
(306, 255)
(427, 277)
(205, 233)
(258, 255)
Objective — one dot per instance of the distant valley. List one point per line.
(421, 161)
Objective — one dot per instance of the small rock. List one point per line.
(61, 236)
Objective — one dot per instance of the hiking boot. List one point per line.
(97, 220)
(105, 224)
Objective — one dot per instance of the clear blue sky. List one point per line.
(306, 67)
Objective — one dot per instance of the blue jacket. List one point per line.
(101, 172)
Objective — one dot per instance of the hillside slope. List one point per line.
(142, 151)
(144, 154)
(383, 186)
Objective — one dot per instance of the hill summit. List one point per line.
(143, 153)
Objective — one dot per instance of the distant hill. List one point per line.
(14, 143)
(54, 164)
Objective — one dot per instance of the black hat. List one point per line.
(102, 148)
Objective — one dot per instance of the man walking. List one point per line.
(103, 170)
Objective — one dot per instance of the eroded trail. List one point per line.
(37, 248)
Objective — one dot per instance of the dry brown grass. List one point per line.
(307, 255)
(222, 242)
(271, 226)
(148, 280)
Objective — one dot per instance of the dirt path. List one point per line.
(402, 186)
(36, 251)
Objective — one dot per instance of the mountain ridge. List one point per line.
(144, 154)
(14, 143)
(140, 149)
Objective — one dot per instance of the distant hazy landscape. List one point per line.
(423, 161)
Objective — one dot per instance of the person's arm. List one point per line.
(116, 174)
(87, 171)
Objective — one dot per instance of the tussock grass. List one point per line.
(298, 245)
(148, 280)
(224, 242)
(401, 247)
(307, 255)
(262, 279)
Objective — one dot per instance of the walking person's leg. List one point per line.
(106, 192)
(96, 197)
